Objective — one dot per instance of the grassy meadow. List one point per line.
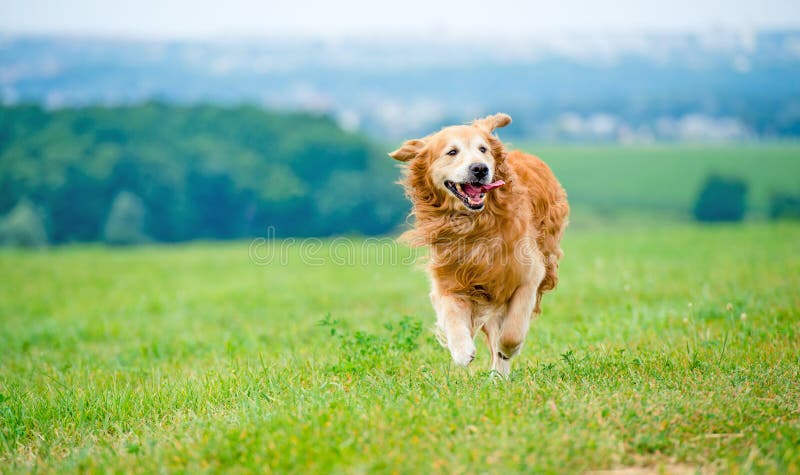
(673, 348)
(666, 179)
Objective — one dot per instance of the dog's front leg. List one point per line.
(454, 319)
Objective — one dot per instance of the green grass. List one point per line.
(670, 347)
(668, 178)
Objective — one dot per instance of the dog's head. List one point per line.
(456, 167)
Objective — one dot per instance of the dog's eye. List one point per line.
(482, 149)
(453, 152)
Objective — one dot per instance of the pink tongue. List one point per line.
(474, 191)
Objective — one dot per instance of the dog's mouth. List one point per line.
(472, 194)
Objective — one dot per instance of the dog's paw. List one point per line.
(463, 352)
(501, 366)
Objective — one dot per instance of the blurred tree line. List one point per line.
(156, 172)
(723, 199)
(171, 173)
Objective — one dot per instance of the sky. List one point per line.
(240, 18)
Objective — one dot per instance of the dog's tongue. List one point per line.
(474, 191)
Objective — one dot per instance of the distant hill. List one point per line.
(716, 85)
(197, 172)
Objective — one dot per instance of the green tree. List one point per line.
(125, 223)
(784, 206)
(721, 199)
(23, 226)
(200, 171)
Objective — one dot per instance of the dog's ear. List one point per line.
(491, 122)
(409, 150)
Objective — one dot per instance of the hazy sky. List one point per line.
(181, 18)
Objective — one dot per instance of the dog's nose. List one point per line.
(479, 170)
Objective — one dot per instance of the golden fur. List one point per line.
(488, 268)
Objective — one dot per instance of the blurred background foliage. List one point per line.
(159, 172)
(130, 141)
(721, 199)
(174, 173)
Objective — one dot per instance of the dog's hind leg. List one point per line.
(515, 325)
(491, 329)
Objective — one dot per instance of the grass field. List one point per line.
(673, 349)
(668, 178)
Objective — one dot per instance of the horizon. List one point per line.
(396, 37)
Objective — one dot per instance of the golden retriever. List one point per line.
(493, 221)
